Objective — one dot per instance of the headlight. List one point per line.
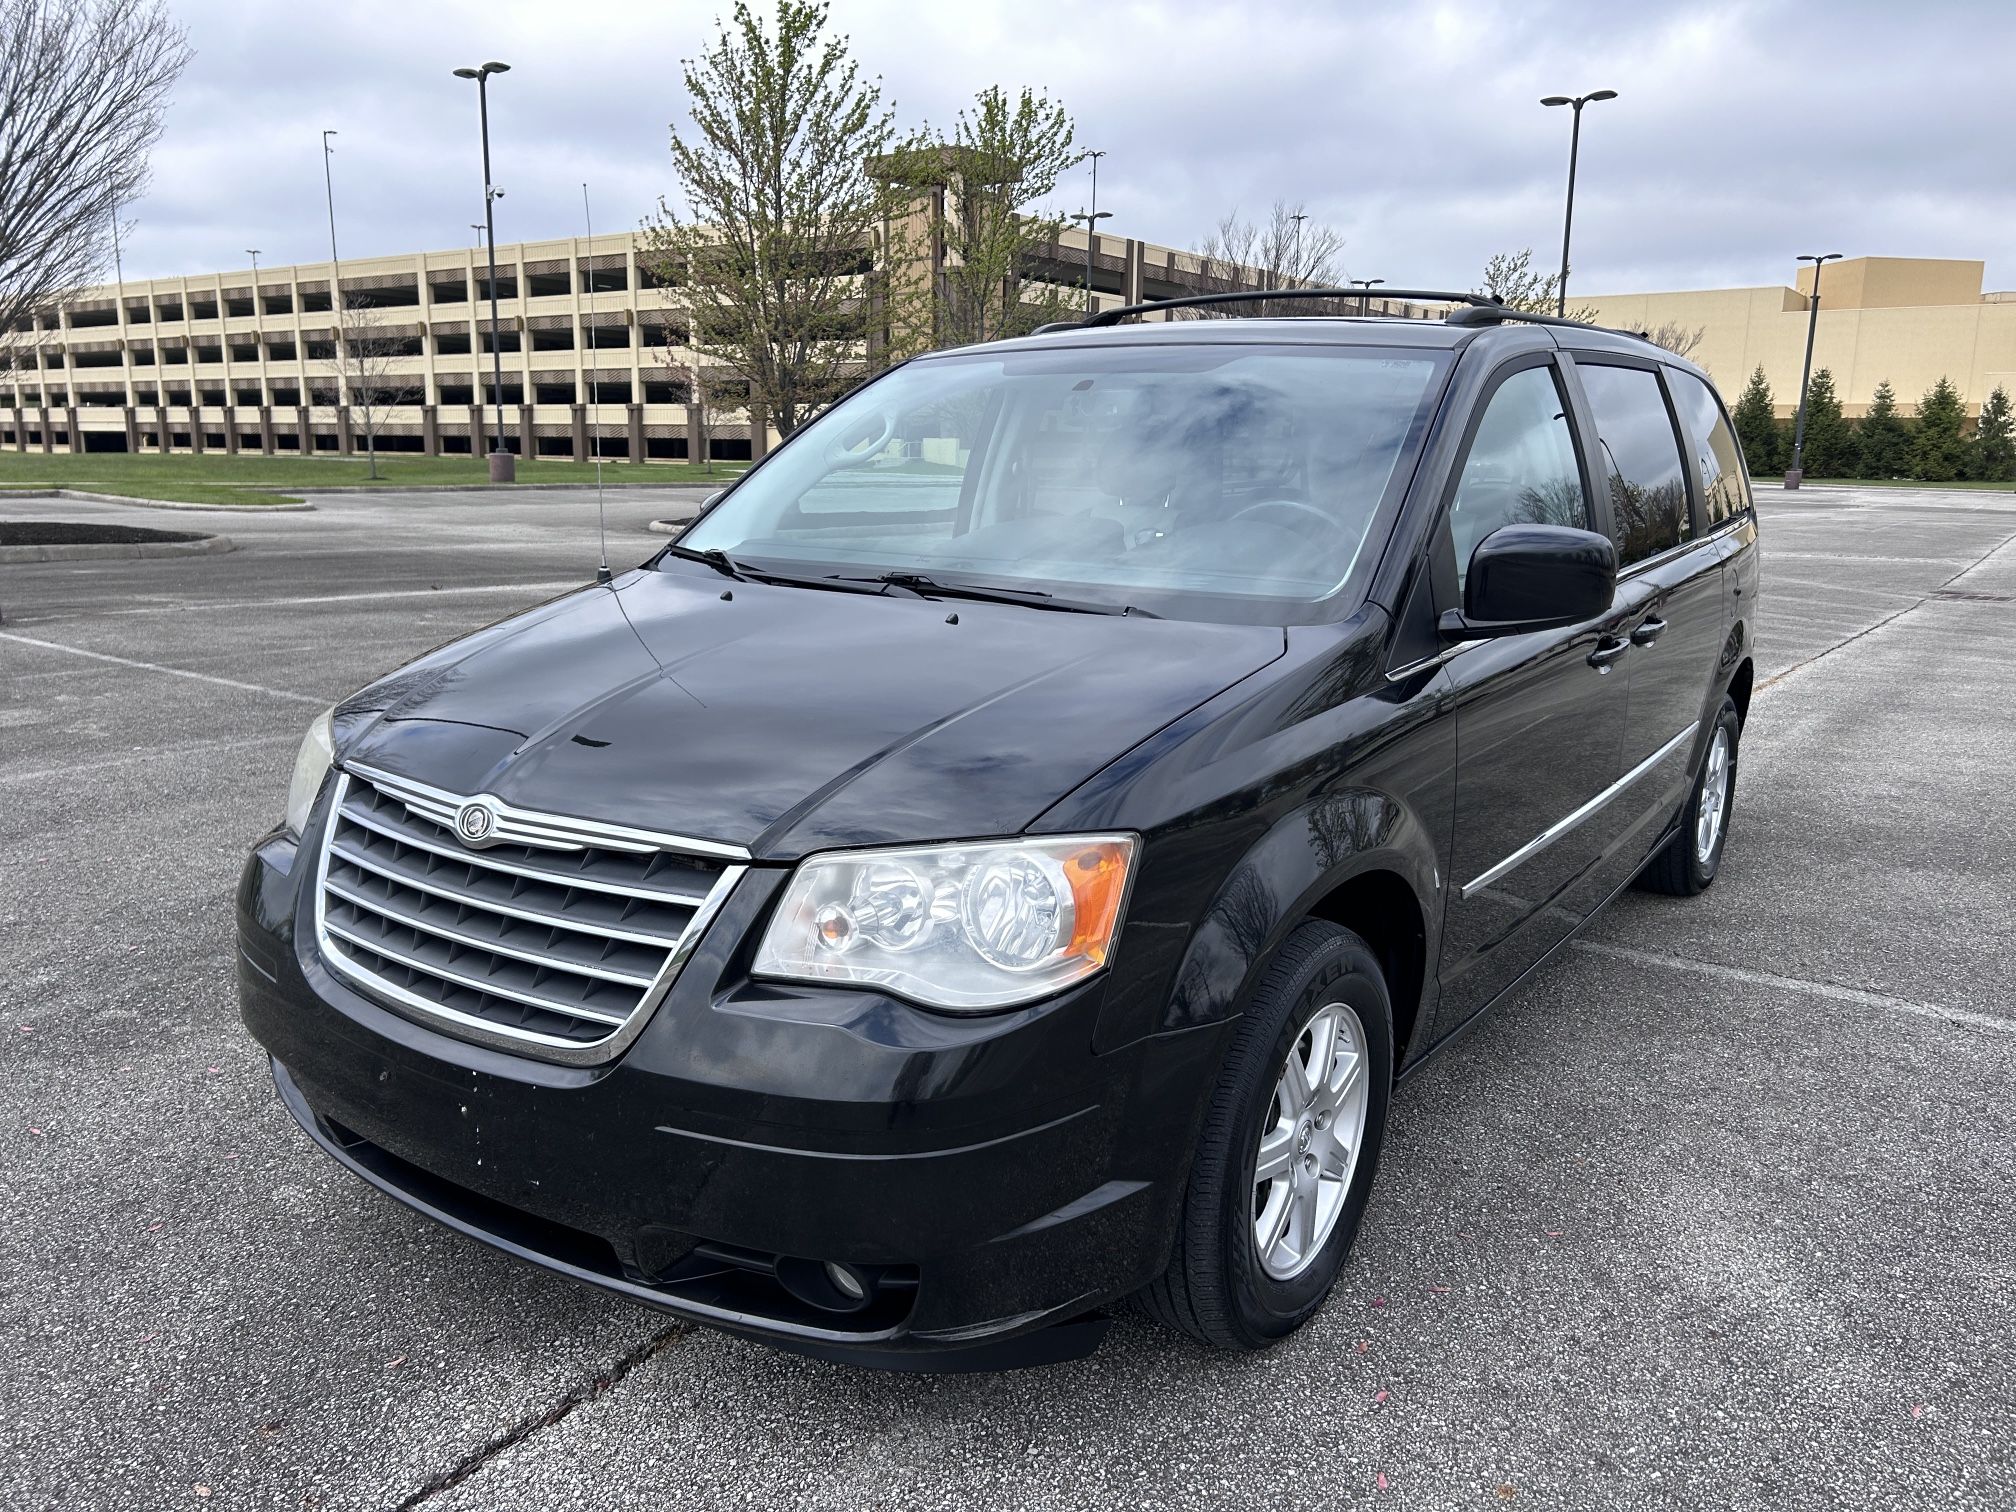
(966, 927)
(310, 766)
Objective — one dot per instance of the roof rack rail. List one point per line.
(1188, 301)
(1475, 309)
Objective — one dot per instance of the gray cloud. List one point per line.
(1745, 132)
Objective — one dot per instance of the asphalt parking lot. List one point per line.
(1718, 1213)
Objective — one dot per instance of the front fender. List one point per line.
(1284, 879)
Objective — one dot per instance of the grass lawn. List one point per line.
(244, 479)
(1905, 483)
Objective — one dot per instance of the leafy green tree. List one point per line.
(1757, 427)
(1830, 445)
(1939, 451)
(983, 184)
(774, 245)
(1993, 455)
(1884, 437)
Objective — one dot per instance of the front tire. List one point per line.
(1289, 1147)
(1691, 859)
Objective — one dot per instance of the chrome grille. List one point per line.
(552, 936)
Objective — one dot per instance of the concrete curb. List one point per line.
(670, 527)
(481, 487)
(98, 498)
(214, 545)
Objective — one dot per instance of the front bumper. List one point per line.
(996, 1179)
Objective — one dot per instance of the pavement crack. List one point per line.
(580, 1393)
(1927, 597)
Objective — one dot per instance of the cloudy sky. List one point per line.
(1746, 132)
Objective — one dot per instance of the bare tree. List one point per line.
(775, 247)
(373, 364)
(1678, 339)
(1511, 278)
(83, 84)
(1286, 251)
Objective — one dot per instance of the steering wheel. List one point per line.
(1290, 504)
(863, 445)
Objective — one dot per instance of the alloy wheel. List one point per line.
(1309, 1152)
(1714, 805)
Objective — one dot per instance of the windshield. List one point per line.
(1245, 478)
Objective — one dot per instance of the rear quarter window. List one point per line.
(1725, 485)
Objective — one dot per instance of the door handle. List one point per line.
(1648, 631)
(1608, 649)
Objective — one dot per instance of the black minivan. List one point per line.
(1001, 858)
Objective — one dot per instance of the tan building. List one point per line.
(1908, 320)
(592, 352)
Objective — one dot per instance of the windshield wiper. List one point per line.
(712, 556)
(1035, 598)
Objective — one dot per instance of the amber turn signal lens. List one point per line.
(1098, 878)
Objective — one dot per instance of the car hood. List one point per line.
(789, 719)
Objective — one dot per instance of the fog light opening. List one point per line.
(829, 1285)
(847, 1281)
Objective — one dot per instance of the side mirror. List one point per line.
(1534, 577)
(712, 499)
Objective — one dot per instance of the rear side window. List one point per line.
(1642, 458)
(1725, 485)
(1521, 469)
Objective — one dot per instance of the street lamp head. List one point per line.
(1818, 257)
(1602, 94)
(490, 68)
(467, 73)
(1557, 100)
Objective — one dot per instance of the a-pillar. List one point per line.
(636, 433)
(696, 435)
(430, 430)
(759, 431)
(580, 433)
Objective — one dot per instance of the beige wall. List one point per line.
(1908, 320)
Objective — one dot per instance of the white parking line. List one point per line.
(197, 606)
(127, 661)
(1800, 984)
(166, 753)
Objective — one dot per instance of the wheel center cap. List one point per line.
(1303, 1136)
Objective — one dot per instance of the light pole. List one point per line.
(1796, 474)
(1091, 220)
(1295, 248)
(503, 467)
(1095, 217)
(477, 227)
(257, 334)
(1574, 147)
(335, 292)
(1364, 299)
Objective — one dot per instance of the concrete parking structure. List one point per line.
(1714, 1214)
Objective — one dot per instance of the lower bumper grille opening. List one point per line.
(716, 1276)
